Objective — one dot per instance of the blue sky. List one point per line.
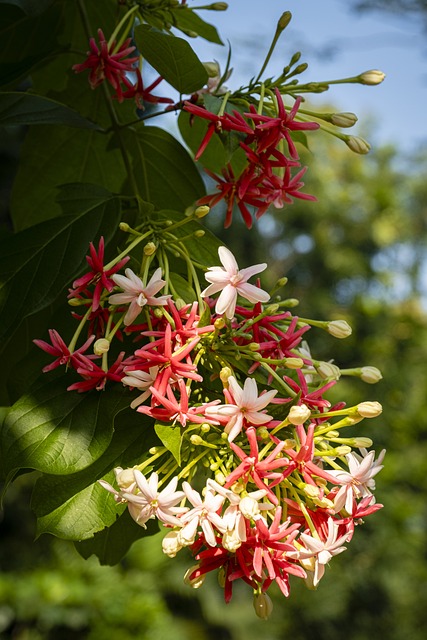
(335, 42)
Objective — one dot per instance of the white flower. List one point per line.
(358, 481)
(150, 503)
(230, 281)
(247, 405)
(322, 550)
(204, 514)
(140, 380)
(136, 293)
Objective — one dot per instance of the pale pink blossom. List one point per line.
(322, 550)
(358, 482)
(247, 406)
(231, 281)
(137, 294)
(140, 380)
(204, 514)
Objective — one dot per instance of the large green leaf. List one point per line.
(31, 7)
(165, 171)
(26, 40)
(188, 20)
(172, 57)
(171, 437)
(36, 264)
(26, 108)
(57, 498)
(111, 544)
(58, 431)
(53, 158)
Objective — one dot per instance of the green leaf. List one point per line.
(187, 20)
(182, 287)
(204, 252)
(36, 264)
(53, 159)
(168, 176)
(25, 108)
(31, 7)
(111, 544)
(27, 40)
(58, 431)
(171, 437)
(172, 57)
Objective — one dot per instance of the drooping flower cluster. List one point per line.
(269, 177)
(234, 380)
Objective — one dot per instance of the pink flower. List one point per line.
(204, 513)
(141, 94)
(107, 63)
(245, 406)
(59, 349)
(230, 281)
(358, 481)
(137, 294)
(322, 550)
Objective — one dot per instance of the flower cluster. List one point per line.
(265, 486)
(269, 177)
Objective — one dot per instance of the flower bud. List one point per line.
(372, 77)
(199, 233)
(263, 605)
(361, 442)
(219, 324)
(170, 544)
(249, 507)
(339, 328)
(202, 211)
(272, 308)
(195, 439)
(342, 450)
(213, 70)
(294, 363)
(369, 409)
(218, 6)
(224, 374)
(180, 303)
(284, 20)
(371, 375)
(231, 541)
(298, 414)
(124, 477)
(344, 120)
(149, 249)
(328, 370)
(253, 346)
(197, 580)
(123, 226)
(101, 346)
(357, 144)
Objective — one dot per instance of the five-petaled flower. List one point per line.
(137, 294)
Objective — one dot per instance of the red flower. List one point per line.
(97, 275)
(107, 64)
(63, 355)
(141, 95)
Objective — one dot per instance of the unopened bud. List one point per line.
(219, 324)
(284, 20)
(195, 439)
(149, 249)
(212, 69)
(328, 370)
(371, 375)
(291, 302)
(369, 409)
(281, 282)
(180, 303)
(202, 211)
(224, 374)
(342, 450)
(124, 477)
(123, 226)
(158, 312)
(170, 544)
(249, 507)
(300, 68)
(339, 329)
(272, 308)
(205, 427)
(199, 233)
(361, 442)
(344, 120)
(358, 145)
(101, 346)
(298, 414)
(372, 77)
(253, 346)
(294, 363)
(218, 6)
(263, 605)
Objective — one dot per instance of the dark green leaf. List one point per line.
(111, 544)
(36, 264)
(182, 287)
(188, 20)
(172, 57)
(25, 108)
(171, 437)
(167, 175)
(58, 431)
(27, 41)
(31, 7)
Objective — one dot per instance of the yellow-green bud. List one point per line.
(272, 308)
(281, 282)
(361, 442)
(369, 409)
(344, 120)
(199, 233)
(101, 346)
(205, 427)
(372, 77)
(284, 20)
(202, 211)
(158, 312)
(123, 226)
(218, 6)
(291, 302)
(180, 303)
(342, 450)
(294, 363)
(253, 346)
(339, 329)
(263, 605)
(371, 375)
(212, 69)
(219, 324)
(357, 144)
(328, 370)
(298, 414)
(149, 249)
(195, 439)
(224, 374)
